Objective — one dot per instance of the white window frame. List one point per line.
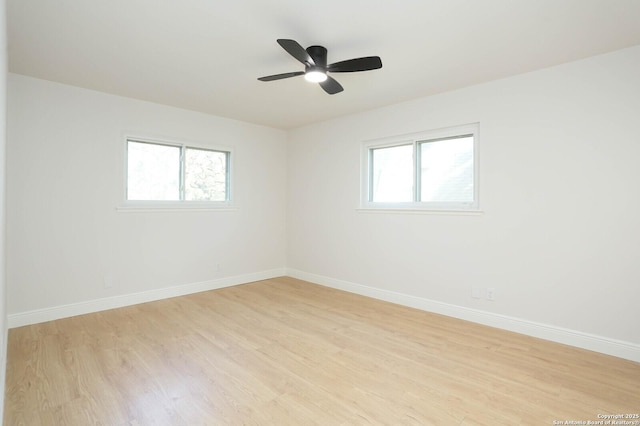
(151, 205)
(416, 139)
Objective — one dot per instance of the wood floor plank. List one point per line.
(287, 352)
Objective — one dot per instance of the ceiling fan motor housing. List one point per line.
(319, 56)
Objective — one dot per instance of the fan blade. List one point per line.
(358, 64)
(331, 86)
(281, 76)
(294, 49)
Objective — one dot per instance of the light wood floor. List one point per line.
(286, 352)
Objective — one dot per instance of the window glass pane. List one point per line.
(205, 175)
(447, 170)
(153, 171)
(392, 174)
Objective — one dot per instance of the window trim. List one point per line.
(416, 139)
(177, 205)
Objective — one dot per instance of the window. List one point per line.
(433, 170)
(170, 172)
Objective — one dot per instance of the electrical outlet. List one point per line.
(476, 292)
(491, 294)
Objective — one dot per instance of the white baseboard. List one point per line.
(621, 349)
(90, 306)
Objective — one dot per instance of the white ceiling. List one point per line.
(206, 55)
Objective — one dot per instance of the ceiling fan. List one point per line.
(314, 59)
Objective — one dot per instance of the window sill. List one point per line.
(419, 211)
(137, 207)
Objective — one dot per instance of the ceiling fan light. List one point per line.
(315, 76)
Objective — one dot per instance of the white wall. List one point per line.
(3, 135)
(65, 179)
(559, 238)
